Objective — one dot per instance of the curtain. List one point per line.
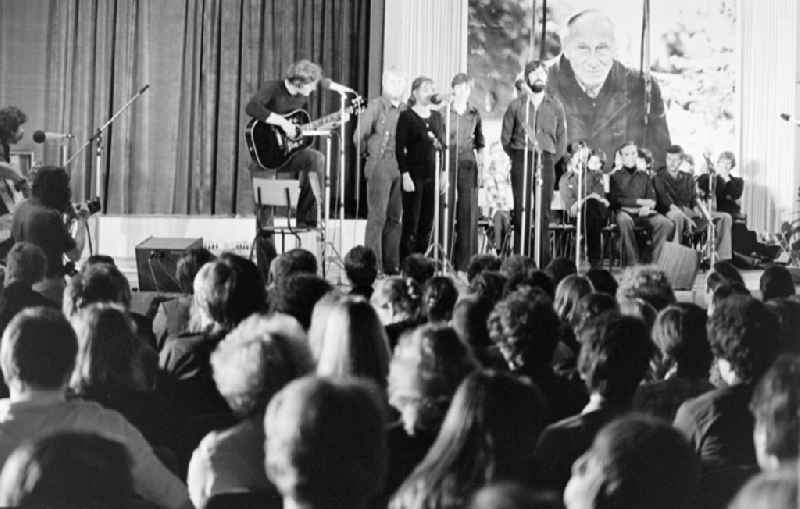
(179, 148)
(768, 160)
(427, 38)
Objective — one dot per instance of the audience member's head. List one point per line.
(722, 292)
(525, 328)
(489, 285)
(26, 264)
(725, 272)
(325, 443)
(396, 299)
(532, 279)
(108, 351)
(776, 281)
(99, 258)
(489, 430)
(98, 282)
(189, 265)
(427, 367)
(559, 268)
(634, 462)
(353, 343)
(227, 291)
(615, 354)
(788, 312)
(602, 281)
(296, 296)
(510, 495)
(646, 282)
(38, 351)
(51, 188)
(361, 266)
(776, 407)
(769, 490)
(418, 267)
(569, 291)
(469, 321)
(68, 470)
(294, 261)
(480, 263)
(438, 298)
(257, 359)
(743, 335)
(681, 341)
(639, 308)
(590, 307)
(517, 264)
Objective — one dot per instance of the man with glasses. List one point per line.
(606, 103)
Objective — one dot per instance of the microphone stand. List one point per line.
(102, 187)
(579, 222)
(523, 248)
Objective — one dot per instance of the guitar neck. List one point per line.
(322, 122)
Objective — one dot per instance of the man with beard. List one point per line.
(606, 103)
(539, 116)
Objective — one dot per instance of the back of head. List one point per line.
(769, 490)
(397, 296)
(640, 309)
(787, 310)
(51, 187)
(776, 407)
(294, 261)
(679, 334)
(602, 281)
(68, 470)
(728, 272)
(614, 357)
(438, 298)
(526, 328)
(646, 282)
(480, 263)
(744, 333)
(488, 285)
(325, 442)
(635, 462)
(776, 281)
(568, 292)
(38, 350)
(532, 279)
(590, 307)
(228, 290)
(469, 321)
(559, 268)
(188, 266)
(418, 267)
(361, 266)
(517, 264)
(98, 282)
(297, 295)
(257, 359)
(26, 263)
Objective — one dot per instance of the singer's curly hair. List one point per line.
(303, 72)
(51, 187)
(11, 118)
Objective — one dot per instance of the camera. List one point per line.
(92, 206)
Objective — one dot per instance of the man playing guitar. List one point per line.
(273, 100)
(11, 132)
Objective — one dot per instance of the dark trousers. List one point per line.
(384, 212)
(548, 180)
(418, 209)
(595, 215)
(660, 227)
(462, 220)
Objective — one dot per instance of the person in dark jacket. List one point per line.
(606, 103)
(26, 264)
(541, 113)
(728, 187)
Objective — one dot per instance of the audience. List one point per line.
(426, 369)
(602, 281)
(294, 261)
(776, 282)
(68, 470)
(510, 495)
(488, 435)
(722, 292)
(397, 302)
(615, 353)
(515, 265)
(526, 330)
(646, 282)
(352, 343)
(418, 267)
(681, 365)
(640, 309)
(361, 268)
(787, 310)
(590, 307)
(26, 265)
(533, 279)
(480, 263)
(297, 294)
(37, 356)
(470, 317)
(488, 285)
(325, 444)
(634, 463)
(438, 298)
(769, 490)
(256, 360)
(559, 268)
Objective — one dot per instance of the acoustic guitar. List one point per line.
(11, 194)
(270, 147)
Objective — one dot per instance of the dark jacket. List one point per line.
(549, 119)
(16, 297)
(679, 191)
(376, 128)
(466, 132)
(627, 187)
(616, 115)
(727, 192)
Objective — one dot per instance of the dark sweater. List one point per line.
(678, 190)
(629, 185)
(727, 192)
(415, 151)
(273, 97)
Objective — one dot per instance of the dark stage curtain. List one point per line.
(180, 148)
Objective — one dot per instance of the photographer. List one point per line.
(45, 219)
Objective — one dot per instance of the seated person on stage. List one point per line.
(40, 220)
(273, 100)
(728, 187)
(634, 198)
(594, 205)
(498, 199)
(677, 198)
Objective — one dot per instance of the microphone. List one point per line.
(788, 118)
(41, 136)
(336, 87)
(440, 98)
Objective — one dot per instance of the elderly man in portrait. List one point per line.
(606, 103)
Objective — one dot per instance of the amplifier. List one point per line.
(157, 258)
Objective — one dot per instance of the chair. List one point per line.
(278, 193)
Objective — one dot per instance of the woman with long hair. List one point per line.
(488, 434)
(397, 302)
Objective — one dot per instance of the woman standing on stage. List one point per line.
(419, 134)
